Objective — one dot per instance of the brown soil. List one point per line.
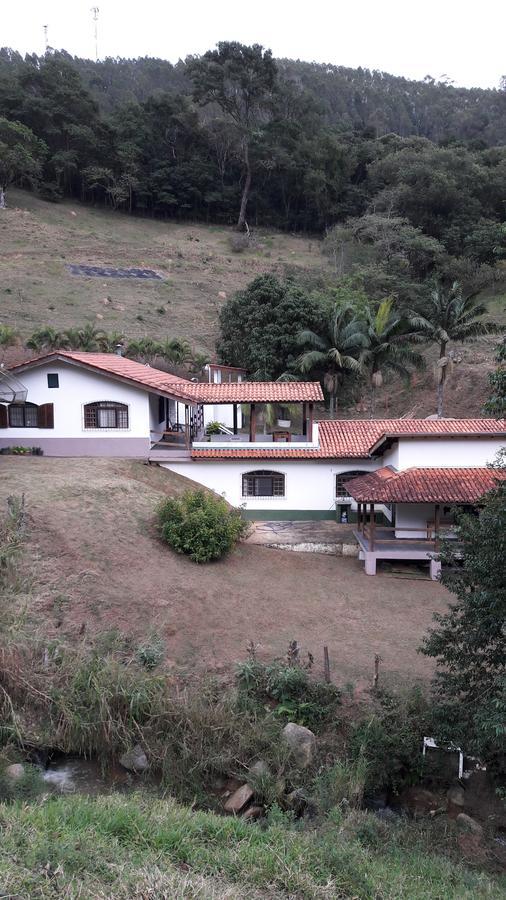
(96, 563)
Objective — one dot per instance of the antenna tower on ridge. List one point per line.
(95, 11)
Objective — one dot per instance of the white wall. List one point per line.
(223, 413)
(309, 484)
(76, 388)
(457, 453)
(413, 515)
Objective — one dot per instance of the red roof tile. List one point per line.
(112, 364)
(422, 485)
(254, 392)
(355, 438)
(193, 392)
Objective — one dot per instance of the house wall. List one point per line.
(413, 515)
(456, 453)
(309, 484)
(223, 413)
(69, 437)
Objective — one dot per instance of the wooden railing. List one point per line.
(375, 534)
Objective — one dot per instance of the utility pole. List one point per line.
(95, 11)
(46, 39)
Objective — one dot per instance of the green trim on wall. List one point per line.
(295, 515)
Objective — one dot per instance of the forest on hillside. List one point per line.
(303, 146)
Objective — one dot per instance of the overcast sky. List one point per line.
(460, 39)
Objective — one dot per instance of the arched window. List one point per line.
(343, 477)
(23, 415)
(106, 414)
(263, 484)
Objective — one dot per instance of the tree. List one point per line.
(259, 326)
(496, 404)
(448, 316)
(334, 350)
(468, 642)
(388, 338)
(240, 80)
(8, 338)
(200, 524)
(21, 156)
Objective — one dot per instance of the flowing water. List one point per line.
(69, 775)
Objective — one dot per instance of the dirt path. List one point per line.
(95, 560)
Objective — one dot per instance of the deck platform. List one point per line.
(408, 549)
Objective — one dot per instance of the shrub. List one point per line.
(390, 741)
(151, 653)
(200, 525)
(299, 699)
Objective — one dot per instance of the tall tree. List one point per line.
(447, 316)
(468, 642)
(496, 403)
(334, 350)
(389, 335)
(21, 156)
(241, 81)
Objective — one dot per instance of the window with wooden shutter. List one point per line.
(23, 415)
(4, 420)
(46, 415)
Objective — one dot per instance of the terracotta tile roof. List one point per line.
(254, 392)
(193, 392)
(355, 438)
(420, 485)
(113, 365)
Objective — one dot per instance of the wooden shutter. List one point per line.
(46, 415)
(3, 416)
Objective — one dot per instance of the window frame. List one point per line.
(255, 476)
(23, 407)
(57, 377)
(94, 408)
(348, 474)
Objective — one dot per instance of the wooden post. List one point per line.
(252, 422)
(235, 417)
(437, 524)
(372, 524)
(377, 660)
(326, 664)
(310, 422)
(187, 427)
(304, 418)
(359, 517)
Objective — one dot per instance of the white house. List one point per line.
(271, 459)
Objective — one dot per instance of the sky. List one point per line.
(462, 40)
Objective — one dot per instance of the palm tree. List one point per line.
(45, 338)
(110, 340)
(389, 334)
(176, 351)
(449, 316)
(335, 350)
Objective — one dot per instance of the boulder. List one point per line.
(260, 769)
(253, 812)
(14, 772)
(134, 760)
(302, 743)
(468, 824)
(238, 800)
(456, 800)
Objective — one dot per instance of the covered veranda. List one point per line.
(422, 502)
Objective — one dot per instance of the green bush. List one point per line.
(299, 698)
(200, 525)
(390, 741)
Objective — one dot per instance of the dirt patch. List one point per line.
(96, 563)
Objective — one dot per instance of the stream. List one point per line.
(74, 775)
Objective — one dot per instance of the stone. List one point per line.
(419, 801)
(134, 760)
(301, 742)
(15, 771)
(349, 550)
(260, 769)
(456, 796)
(238, 800)
(222, 295)
(253, 812)
(468, 824)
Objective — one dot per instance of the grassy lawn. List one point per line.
(95, 562)
(151, 849)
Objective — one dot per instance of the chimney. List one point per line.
(118, 349)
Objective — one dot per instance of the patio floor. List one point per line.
(311, 536)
